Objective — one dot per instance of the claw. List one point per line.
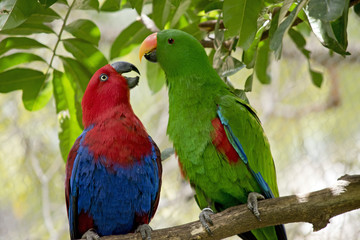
(205, 219)
(252, 201)
(145, 231)
(90, 235)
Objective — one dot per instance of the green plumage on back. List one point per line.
(198, 99)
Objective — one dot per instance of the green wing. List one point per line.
(245, 133)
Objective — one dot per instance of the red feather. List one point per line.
(221, 142)
(118, 134)
(121, 139)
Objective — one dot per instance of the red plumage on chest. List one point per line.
(118, 136)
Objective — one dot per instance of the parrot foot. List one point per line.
(90, 235)
(252, 203)
(145, 231)
(205, 219)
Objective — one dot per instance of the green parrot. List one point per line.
(218, 138)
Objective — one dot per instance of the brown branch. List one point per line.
(315, 207)
(209, 26)
(354, 2)
(210, 43)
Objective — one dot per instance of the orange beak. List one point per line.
(149, 44)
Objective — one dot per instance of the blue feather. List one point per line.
(114, 196)
(240, 150)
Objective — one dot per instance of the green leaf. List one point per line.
(194, 30)
(87, 4)
(324, 32)
(28, 29)
(249, 83)
(85, 30)
(262, 62)
(176, 3)
(213, 6)
(18, 58)
(332, 34)
(15, 12)
(231, 66)
(129, 38)
(328, 10)
(19, 43)
(161, 12)
(285, 8)
(276, 40)
(304, 28)
(62, 91)
(339, 27)
(300, 42)
(298, 39)
(240, 18)
(110, 5)
(43, 16)
(316, 77)
(242, 95)
(249, 55)
(155, 76)
(85, 53)
(47, 3)
(137, 4)
(63, 2)
(79, 76)
(274, 24)
(43, 97)
(28, 80)
(181, 9)
(64, 94)
(357, 9)
(77, 73)
(68, 134)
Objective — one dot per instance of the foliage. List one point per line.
(256, 28)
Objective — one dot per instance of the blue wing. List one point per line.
(114, 199)
(72, 190)
(239, 149)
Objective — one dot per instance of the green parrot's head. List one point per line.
(176, 51)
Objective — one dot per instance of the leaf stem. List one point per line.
(59, 37)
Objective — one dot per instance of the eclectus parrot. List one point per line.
(113, 171)
(218, 138)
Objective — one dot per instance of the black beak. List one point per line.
(124, 67)
(151, 56)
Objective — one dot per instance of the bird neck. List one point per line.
(98, 113)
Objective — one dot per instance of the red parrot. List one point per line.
(113, 171)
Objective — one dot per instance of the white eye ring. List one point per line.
(103, 77)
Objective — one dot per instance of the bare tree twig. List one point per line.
(315, 207)
(148, 23)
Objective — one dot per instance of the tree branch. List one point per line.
(315, 207)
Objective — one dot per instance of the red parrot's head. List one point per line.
(107, 89)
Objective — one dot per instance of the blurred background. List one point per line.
(314, 135)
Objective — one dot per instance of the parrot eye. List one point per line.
(103, 77)
(170, 40)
